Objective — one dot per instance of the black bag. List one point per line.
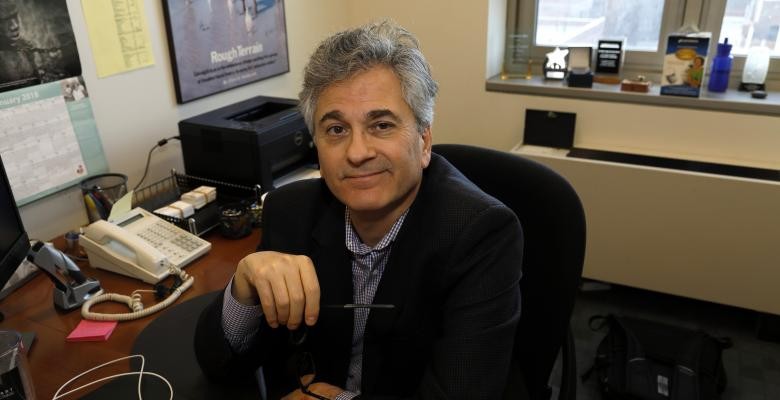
(645, 360)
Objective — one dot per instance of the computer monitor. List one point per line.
(14, 243)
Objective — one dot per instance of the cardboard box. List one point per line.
(684, 64)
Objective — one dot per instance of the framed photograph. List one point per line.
(218, 45)
(37, 44)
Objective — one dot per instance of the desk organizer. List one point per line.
(168, 190)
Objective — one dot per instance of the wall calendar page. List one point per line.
(48, 138)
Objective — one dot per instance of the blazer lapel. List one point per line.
(392, 289)
(332, 334)
(331, 257)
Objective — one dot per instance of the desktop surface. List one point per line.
(170, 354)
(53, 361)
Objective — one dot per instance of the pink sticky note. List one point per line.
(93, 331)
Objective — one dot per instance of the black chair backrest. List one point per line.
(553, 224)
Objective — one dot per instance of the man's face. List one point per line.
(9, 28)
(371, 154)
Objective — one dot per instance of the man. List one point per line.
(17, 58)
(389, 224)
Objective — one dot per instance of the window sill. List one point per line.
(730, 101)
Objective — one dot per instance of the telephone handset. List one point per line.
(141, 245)
(125, 253)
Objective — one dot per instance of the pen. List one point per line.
(351, 306)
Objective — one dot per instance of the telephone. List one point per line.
(141, 245)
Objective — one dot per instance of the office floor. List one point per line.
(752, 365)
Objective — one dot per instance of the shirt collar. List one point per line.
(356, 246)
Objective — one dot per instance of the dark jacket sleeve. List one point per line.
(216, 358)
(214, 354)
(212, 350)
(481, 311)
(236, 371)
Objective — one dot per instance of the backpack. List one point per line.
(645, 360)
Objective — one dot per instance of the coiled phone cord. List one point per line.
(134, 301)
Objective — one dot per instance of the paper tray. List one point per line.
(168, 190)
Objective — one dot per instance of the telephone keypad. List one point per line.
(170, 241)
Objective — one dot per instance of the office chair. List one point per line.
(553, 224)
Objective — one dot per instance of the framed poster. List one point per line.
(218, 45)
(37, 44)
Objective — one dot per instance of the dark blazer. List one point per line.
(453, 276)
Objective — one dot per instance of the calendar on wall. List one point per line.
(48, 138)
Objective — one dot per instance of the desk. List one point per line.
(53, 361)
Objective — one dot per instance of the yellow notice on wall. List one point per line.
(118, 34)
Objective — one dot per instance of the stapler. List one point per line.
(71, 287)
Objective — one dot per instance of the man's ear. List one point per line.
(427, 142)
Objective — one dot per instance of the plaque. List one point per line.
(609, 56)
(518, 47)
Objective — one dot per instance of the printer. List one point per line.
(251, 142)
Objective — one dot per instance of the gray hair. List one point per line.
(346, 53)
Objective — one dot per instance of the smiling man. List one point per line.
(391, 226)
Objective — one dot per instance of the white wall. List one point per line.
(136, 109)
(711, 222)
(454, 37)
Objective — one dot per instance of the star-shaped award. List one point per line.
(555, 64)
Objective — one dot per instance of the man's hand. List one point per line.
(285, 285)
(320, 388)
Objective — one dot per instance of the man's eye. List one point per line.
(383, 126)
(336, 130)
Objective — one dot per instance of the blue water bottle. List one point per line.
(721, 68)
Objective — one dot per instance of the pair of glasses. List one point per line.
(307, 371)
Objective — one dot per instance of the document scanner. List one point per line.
(250, 142)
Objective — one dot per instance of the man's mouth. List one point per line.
(363, 179)
(362, 175)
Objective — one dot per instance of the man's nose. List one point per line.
(360, 147)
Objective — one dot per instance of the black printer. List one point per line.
(250, 142)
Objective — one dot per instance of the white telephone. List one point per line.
(141, 245)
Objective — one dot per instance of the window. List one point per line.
(748, 23)
(583, 23)
(535, 27)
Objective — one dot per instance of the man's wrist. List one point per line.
(239, 322)
(243, 292)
